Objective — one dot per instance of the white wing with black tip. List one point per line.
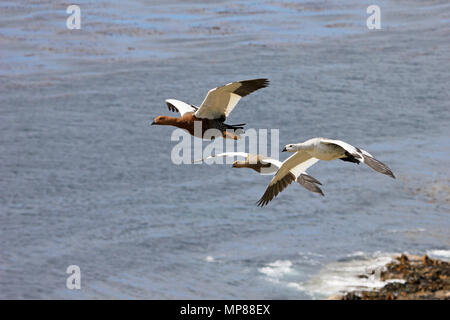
(180, 106)
(347, 147)
(220, 101)
(362, 156)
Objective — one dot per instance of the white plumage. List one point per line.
(220, 101)
(309, 152)
(259, 163)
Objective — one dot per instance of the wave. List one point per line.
(276, 270)
(439, 254)
(355, 271)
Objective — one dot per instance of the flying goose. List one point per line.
(269, 166)
(215, 108)
(319, 149)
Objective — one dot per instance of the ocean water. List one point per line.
(84, 179)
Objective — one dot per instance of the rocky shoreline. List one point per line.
(417, 278)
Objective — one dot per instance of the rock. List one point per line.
(404, 259)
(426, 261)
(424, 278)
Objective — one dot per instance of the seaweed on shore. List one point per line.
(424, 278)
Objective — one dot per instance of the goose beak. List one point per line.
(284, 150)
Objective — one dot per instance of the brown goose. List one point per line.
(268, 166)
(215, 108)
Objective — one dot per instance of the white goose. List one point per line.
(269, 166)
(317, 149)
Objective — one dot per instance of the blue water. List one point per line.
(85, 180)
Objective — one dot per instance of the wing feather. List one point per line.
(180, 106)
(309, 183)
(220, 101)
(291, 168)
(344, 145)
(363, 156)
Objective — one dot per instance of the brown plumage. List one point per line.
(212, 113)
(187, 122)
(253, 161)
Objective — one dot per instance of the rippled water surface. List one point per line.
(85, 180)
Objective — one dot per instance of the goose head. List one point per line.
(162, 120)
(289, 148)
